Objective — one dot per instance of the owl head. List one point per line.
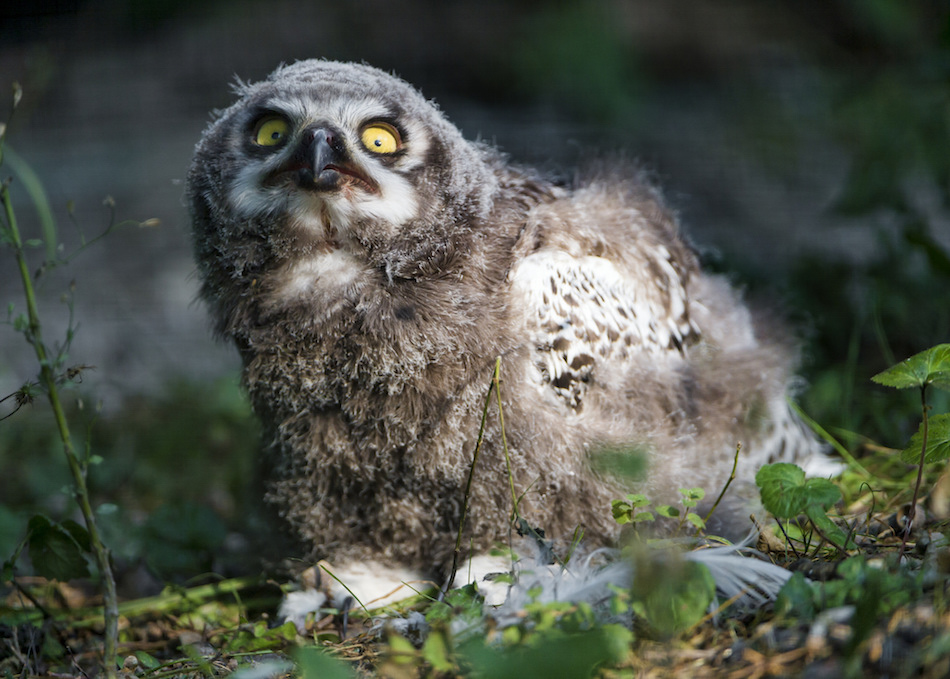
(329, 169)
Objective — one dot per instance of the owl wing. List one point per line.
(586, 315)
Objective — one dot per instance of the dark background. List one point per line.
(805, 144)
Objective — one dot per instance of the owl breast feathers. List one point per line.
(370, 264)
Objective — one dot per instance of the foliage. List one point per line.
(786, 494)
(57, 549)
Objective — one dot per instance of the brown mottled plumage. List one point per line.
(371, 264)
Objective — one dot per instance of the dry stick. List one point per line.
(920, 474)
(48, 378)
(732, 476)
(468, 486)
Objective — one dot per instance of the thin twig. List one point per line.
(468, 486)
(732, 476)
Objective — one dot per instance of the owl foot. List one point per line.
(366, 584)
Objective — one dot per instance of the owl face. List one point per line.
(339, 150)
(328, 161)
(326, 176)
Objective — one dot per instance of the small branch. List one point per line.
(468, 486)
(496, 380)
(49, 381)
(732, 477)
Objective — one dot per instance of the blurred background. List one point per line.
(804, 143)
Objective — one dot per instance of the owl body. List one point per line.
(371, 265)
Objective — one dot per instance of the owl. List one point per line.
(372, 266)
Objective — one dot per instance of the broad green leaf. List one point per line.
(551, 655)
(667, 511)
(436, 652)
(672, 596)
(54, 552)
(786, 492)
(931, 366)
(315, 664)
(938, 441)
(779, 485)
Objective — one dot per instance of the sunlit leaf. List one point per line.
(931, 366)
(436, 652)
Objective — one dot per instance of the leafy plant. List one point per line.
(634, 508)
(931, 443)
(57, 550)
(787, 494)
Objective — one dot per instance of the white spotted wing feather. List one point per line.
(586, 315)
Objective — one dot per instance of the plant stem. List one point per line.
(911, 514)
(468, 485)
(732, 477)
(48, 379)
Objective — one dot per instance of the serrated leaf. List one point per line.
(667, 511)
(779, 486)
(54, 552)
(938, 441)
(931, 366)
(786, 492)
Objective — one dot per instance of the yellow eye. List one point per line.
(380, 138)
(272, 131)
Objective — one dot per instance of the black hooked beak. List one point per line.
(322, 162)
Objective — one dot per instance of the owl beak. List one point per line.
(323, 164)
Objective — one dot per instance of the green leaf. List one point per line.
(786, 492)
(667, 511)
(622, 511)
(54, 552)
(828, 527)
(638, 500)
(315, 664)
(779, 486)
(79, 534)
(691, 496)
(696, 520)
(671, 594)
(147, 661)
(436, 652)
(931, 366)
(551, 655)
(938, 441)
(796, 599)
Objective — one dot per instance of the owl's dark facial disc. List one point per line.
(322, 163)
